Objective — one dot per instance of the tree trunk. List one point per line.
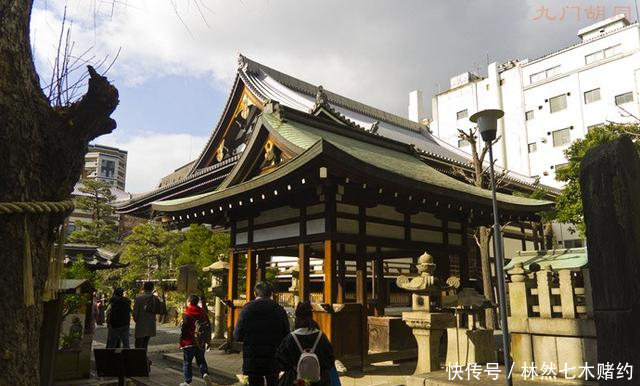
(42, 153)
(484, 239)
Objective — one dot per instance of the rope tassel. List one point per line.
(27, 268)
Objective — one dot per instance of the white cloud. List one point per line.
(152, 156)
(372, 50)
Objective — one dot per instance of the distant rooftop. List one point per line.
(103, 147)
(601, 26)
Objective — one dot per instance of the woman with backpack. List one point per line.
(305, 355)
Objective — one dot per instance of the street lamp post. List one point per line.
(487, 121)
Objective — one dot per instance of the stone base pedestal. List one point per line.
(428, 328)
(470, 346)
(389, 333)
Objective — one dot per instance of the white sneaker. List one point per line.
(207, 380)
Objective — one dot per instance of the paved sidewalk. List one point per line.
(441, 378)
(385, 373)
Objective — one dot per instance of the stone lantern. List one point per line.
(294, 271)
(426, 321)
(219, 273)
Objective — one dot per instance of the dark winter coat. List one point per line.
(288, 355)
(145, 321)
(189, 317)
(120, 312)
(261, 326)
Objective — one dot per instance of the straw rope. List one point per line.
(36, 207)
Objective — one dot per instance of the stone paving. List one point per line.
(441, 378)
(385, 373)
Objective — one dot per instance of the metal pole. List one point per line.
(502, 297)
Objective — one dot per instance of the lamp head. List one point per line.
(487, 121)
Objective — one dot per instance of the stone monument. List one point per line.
(426, 321)
(610, 187)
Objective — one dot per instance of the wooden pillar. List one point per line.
(329, 269)
(232, 293)
(536, 241)
(361, 276)
(261, 273)
(251, 274)
(303, 278)
(232, 282)
(342, 270)
(524, 237)
(361, 260)
(463, 258)
(361, 287)
(381, 287)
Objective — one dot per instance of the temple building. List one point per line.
(293, 170)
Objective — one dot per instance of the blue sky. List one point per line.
(173, 103)
(177, 64)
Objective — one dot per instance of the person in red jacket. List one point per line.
(188, 342)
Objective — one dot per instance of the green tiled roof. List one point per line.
(394, 161)
(391, 161)
(557, 259)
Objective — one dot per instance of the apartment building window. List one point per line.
(591, 96)
(548, 73)
(561, 137)
(107, 168)
(533, 147)
(594, 57)
(462, 114)
(611, 51)
(558, 103)
(538, 76)
(602, 54)
(528, 115)
(463, 143)
(552, 71)
(624, 98)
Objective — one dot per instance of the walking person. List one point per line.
(118, 316)
(195, 333)
(261, 326)
(145, 316)
(307, 338)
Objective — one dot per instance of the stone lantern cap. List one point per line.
(217, 267)
(467, 299)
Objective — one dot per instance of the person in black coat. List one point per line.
(307, 332)
(118, 318)
(261, 326)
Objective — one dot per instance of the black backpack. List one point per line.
(154, 305)
(202, 332)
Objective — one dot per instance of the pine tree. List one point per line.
(102, 229)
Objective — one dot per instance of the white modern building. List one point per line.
(107, 164)
(548, 102)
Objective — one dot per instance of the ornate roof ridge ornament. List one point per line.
(274, 107)
(322, 100)
(243, 63)
(374, 127)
